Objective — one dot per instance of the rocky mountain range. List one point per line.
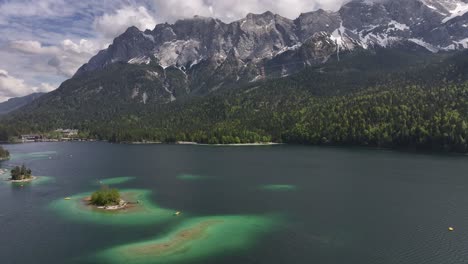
(201, 55)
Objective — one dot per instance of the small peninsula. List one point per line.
(21, 174)
(4, 154)
(107, 199)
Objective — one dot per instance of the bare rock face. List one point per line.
(206, 54)
(318, 48)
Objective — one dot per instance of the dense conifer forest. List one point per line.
(383, 99)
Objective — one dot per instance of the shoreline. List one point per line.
(411, 150)
(143, 142)
(121, 206)
(22, 181)
(232, 144)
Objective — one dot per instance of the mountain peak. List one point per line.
(132, 30)
(267, 14)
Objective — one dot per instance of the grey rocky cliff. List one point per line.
(211, 54)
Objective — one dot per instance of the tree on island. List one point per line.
(20, 173)
(4, 154)
(105, 197)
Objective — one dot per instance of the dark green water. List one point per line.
(336, 205)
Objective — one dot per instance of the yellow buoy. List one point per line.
(67, 198)
(177, 213)
(451, 229)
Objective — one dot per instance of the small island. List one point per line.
(139, 209)
(21, 174)
(4, 154)
(107, 199)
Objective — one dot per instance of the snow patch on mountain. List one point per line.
(150, 37)
(461, 44)
(293, 47)
(460, 10)
(424, 44)
(337, 35)
(431, 6)
(397, 25)
(342, 40)
(152, 74)
(135, 92)
(444, 7)
(370, 39)
(140, 60)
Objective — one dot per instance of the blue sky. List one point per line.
(43, 42)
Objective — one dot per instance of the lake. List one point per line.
(265, 204)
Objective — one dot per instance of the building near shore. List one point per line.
(31, 138)
(67, 133)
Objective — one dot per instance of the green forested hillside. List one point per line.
(387, 98)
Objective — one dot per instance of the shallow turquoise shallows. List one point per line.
(114, 181)
(141, 212)
(196, 239)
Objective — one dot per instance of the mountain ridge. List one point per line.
(204, 54)
(261, 36)
(17, 102)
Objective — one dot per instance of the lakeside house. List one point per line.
(67, 133)
(60, 135)
(31, 138)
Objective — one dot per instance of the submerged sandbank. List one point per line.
(195, 239)
(114, 181)
(190, 177)
(278, 187)
(33, 155)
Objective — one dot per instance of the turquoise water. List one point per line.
(114, 181)
(142, 213)
(190, 177)
(195, 239)
(278, 187)
(268, 204)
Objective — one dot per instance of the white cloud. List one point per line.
(11, 86)
(72, 55)
(44, 88)
(32, 47)
(170, 10)
(65, 58)
(111, 25)
(35, 8)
